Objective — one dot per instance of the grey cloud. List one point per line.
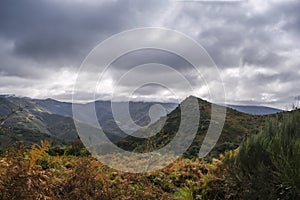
(145, 56)
(58, 29)
(236, 32)
(39, 38)
(44, 30)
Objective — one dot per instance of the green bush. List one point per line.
(268, 164)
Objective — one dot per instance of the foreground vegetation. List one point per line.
(266, 166)
(270, 162)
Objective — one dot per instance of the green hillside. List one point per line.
(25, 121)
(238, 126)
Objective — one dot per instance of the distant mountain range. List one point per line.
(255, 110)
(138, 112)
(31, 120)
(65, 108)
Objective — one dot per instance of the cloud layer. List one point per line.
(255, 44)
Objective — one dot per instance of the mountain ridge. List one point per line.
(51, 119)
(238, 126)
(255, 110)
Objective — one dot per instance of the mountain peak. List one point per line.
(201, 101)
(192, 96)
(50, 99)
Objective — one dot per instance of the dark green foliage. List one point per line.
(270, 161)
(75, 149)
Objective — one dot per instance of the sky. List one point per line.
(255, 45)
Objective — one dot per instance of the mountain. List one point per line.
(54, 106)
(138, 112)
(238, 126)
(31, 120)
(255, 110)
(23, 120)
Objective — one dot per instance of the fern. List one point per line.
(38, 152)
(184, 193)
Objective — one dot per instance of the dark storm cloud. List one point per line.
(45, 30)
(145, 56)
(56, 29)
(54, 34)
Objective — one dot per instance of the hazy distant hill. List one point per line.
(255, 110)
(138, 111)
(32, 120)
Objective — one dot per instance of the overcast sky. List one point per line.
(254, 43)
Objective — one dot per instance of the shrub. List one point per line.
(269, 162)
(34, 174)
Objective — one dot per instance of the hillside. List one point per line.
(266, 166)
(138, 111)
(30, 123)
(238, 126)
(31, 120)
(50, 119)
